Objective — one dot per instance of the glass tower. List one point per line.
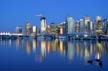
(28, 29)
(70, 25)
(43, 25)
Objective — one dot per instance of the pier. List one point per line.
(14, 36)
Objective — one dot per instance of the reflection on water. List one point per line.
(34, 45)
(43, 48)
(91, 52)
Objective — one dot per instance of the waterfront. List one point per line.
(31, 54)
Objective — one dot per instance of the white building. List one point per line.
(34, 29)
(43, 25)
(70, 25)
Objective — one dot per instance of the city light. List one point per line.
(70, 29)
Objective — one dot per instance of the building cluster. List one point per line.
(79, 28)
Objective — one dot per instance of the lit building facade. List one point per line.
(18, 29)
(43, 25)
(60, 29)
(90, 28)
(98, 18)
(34, 31)
(81, 21)
(77, 27)
(48, 29)
(28, 29)
(105, 26)
(99, 26)
(53, 28)
(86, 24)
(70, 25)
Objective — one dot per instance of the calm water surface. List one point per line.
(53, 55)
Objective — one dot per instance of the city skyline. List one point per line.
(54, 35)
(75, 21)
(18, 12)
(84, 28)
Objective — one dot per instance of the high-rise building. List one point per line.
(19, 29)
(98, 18)
(81, 25)
(99, 26)
(105, 26)
(43, 25)
(77, 27)
(86, 24)
(64, 28)
(34, 29)
(53, 28)
(48, 29)
(28, 29)
(70, 25)
(90, 28)
(86, 20)
(60, 29)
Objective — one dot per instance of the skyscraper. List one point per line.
(81, 26)
(86, 24)
(86, 20)
(60, 28)
(90, 28)
(34, 29)
(48, 29)
(99, 26)
(70, 25)
(53, 28)
(43, 25)
(105, 26)
(28, 29)
(77, 27)
(19, 29)
(98, 18)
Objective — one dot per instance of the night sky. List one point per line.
(17, 12)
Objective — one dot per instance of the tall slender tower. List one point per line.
(70, 25)
(43, 25)
(34, 29)
(81, 26)
(99, 26)
(105, 26)
(77, 27)
(28, 29)
(86, 24)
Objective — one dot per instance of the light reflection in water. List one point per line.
(87, 50)
(54, 45)
(28, 46)
(34, 45)
(61, 47)
(43, 48)
(70, 51)
(99, 50)
(10, 42)
(19, 43)
(49, 46)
